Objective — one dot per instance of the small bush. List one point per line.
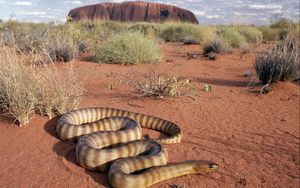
(145, 28)
(57, 91)
(24, 36)
(26, 88)
(278, 30)
(245, 48)
(279, 64)
(283, 26)
(160, 86)
(7, 37)
(61, 48)
(60, 45)
(17, 86)
(216, 45)
(128, 48)
(232, 37)
(252, 34)
(178, 32)
(293, 36)
(268, 33)
(114, 27)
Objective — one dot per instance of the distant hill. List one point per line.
(133, 12)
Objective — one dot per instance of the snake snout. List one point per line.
(213, 166)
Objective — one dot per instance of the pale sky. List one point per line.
(207, 11)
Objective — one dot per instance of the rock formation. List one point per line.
(133, 12)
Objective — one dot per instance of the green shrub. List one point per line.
(252, 34)
(232, 36)
(145, 28)
(178, 32)
(245, 48)
(283, 26)
(268, 33)
(128, 48)
(114, 26)
(293, 36)
(279, 64)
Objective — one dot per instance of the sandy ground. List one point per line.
(254, 138)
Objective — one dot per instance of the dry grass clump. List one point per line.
(161, 85)
(61, 48)
(27, 88)
(59, 41)
(26, 37)
(282, 63)
(129, 48)
(216, 45)
(62, 92)
(17, 86)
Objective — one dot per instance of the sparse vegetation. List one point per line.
(129, 48)
(157, 84)
(278, 30)
(282, 63)
(216, 45)
(268, 33)
(160, 86)
(26, 88)
(145, 28)
(178, 32)
(17, 86)
(232, 37)
(251, 33)
(61, 47)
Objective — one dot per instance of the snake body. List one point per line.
(109, 138)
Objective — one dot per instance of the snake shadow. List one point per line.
(67, 150)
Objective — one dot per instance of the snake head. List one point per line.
(203, 166)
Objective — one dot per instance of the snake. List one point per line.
(110, 139)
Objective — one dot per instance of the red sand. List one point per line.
(254, 138)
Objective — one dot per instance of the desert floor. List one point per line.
(254, 138)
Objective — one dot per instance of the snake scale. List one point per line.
(110, 139)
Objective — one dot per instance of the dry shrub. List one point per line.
(26, 88)
(17, 86)
(62, 92)
(282, 63)
(216, 45)
(61, 45)
(161, 85)
(61, 48)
